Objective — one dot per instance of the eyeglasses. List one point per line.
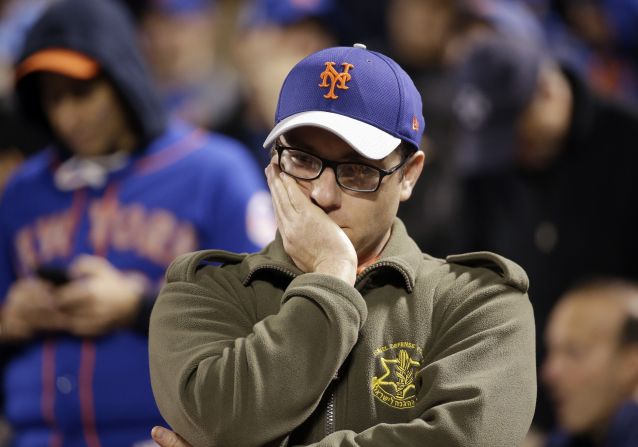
(357, 177)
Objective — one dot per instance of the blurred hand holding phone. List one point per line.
(56, 275)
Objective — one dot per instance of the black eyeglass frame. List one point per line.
(279, 148)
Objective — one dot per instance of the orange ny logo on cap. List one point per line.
(337, 79)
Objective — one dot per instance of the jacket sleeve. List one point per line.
(221, 377)
(478, 385)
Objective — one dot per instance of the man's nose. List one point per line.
(63, 114)
(326, 193)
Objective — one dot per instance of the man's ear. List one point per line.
(411, 173)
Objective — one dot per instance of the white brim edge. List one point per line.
(366, 139)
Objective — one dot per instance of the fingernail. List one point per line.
(157, 433)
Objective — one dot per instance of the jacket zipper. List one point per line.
(330, 414)
(331, 406)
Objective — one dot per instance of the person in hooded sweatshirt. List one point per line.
(89, 224)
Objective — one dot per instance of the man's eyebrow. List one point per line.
(299, 145)
(287, 141)
(353, 157)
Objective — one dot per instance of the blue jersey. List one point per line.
(188, 190)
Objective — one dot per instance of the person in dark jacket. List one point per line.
(548, 174)
(90, 223)
(592, 365)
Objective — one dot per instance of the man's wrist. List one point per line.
(342, 269)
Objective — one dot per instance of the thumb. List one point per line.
(167, 438)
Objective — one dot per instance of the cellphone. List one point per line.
(55, 275)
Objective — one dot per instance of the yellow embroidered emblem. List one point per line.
(395, 387)
(337, 79)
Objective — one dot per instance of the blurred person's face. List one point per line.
(545, 122)
(586, 370)
(365, 217)
(588, 19)
(87, 116)
(420, 30)
(266, 55)
(179, 47)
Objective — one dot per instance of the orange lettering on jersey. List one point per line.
(101, 213)
(337, 80)
(160, 226)
(54, 236)
(157, 234)
(184, 241)
(129, 227)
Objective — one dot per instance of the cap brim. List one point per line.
(62, 61)
(366, 139)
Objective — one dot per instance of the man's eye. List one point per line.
(357, 171)
(301, 159)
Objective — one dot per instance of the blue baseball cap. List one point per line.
(362, 96)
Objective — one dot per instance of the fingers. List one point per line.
(72, 297)
(29, 308)
(167, 438)
(280, 199)
(295, 196)
(286, 189)
(87, 265)
(31, 294)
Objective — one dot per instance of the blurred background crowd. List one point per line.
(531, 140)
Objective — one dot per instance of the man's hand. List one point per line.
(167, 438)
(30, 308)
(313, 241)
(99, 299)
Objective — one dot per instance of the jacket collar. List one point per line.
(401, 255)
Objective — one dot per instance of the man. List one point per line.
(592, 365)
(88, 226)
(341, 332)
(549, 173)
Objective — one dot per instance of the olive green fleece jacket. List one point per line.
(420, 352)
